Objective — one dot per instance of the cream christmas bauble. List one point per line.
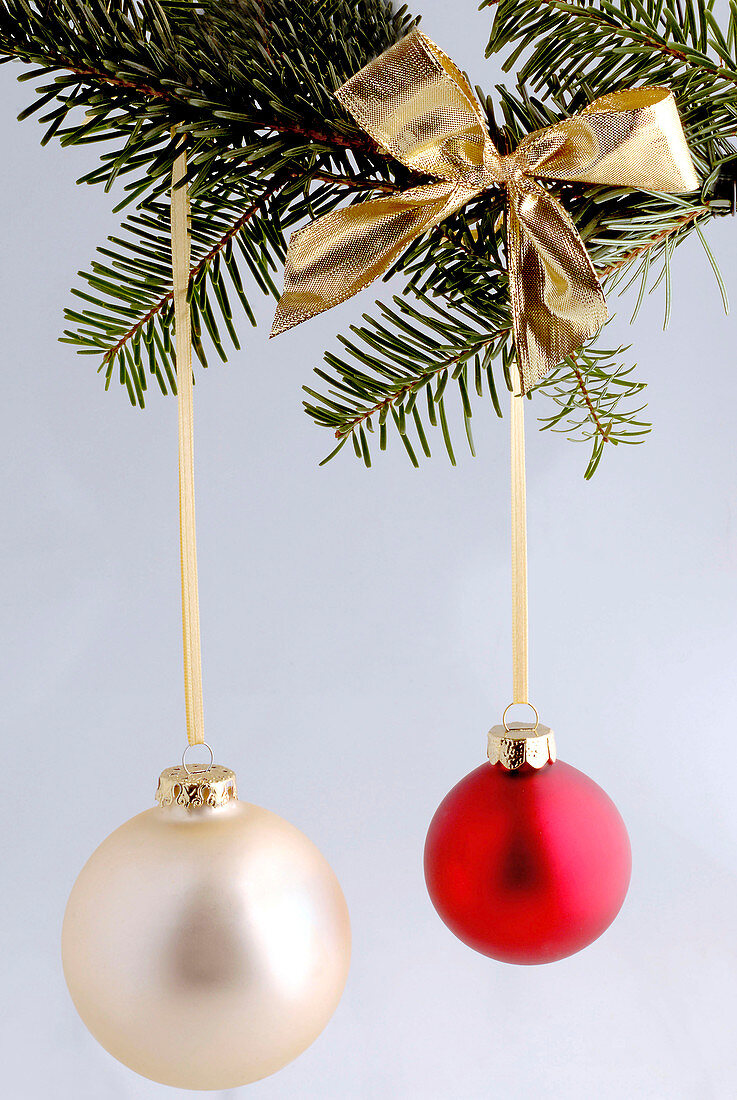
(206, 942)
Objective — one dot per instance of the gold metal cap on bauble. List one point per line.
(214, 786)
(515, 744)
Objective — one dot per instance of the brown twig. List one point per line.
(105, 78)
(352, 184)
(603, 432)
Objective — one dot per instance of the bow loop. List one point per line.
(416, 104)
(631, 138)
(419, 107)
(539, 149)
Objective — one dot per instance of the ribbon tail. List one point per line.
(557, 301)
(334, 257)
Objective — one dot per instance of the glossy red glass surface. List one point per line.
(527, 866)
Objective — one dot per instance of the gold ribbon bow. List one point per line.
(417, 105)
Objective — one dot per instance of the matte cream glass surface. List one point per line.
(206, 947)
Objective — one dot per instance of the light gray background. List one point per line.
(356, 649)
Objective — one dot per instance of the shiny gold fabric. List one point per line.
(419, 107)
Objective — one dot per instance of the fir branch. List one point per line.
(686, 221)
(619, 25)
(607, 414)
(206, 68)
(258, 206)
(614, 24)
(605, 433)
(128, 311)
(417, 346)
(251, 83)
(396, 394)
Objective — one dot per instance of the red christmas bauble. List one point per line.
(527, 866)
